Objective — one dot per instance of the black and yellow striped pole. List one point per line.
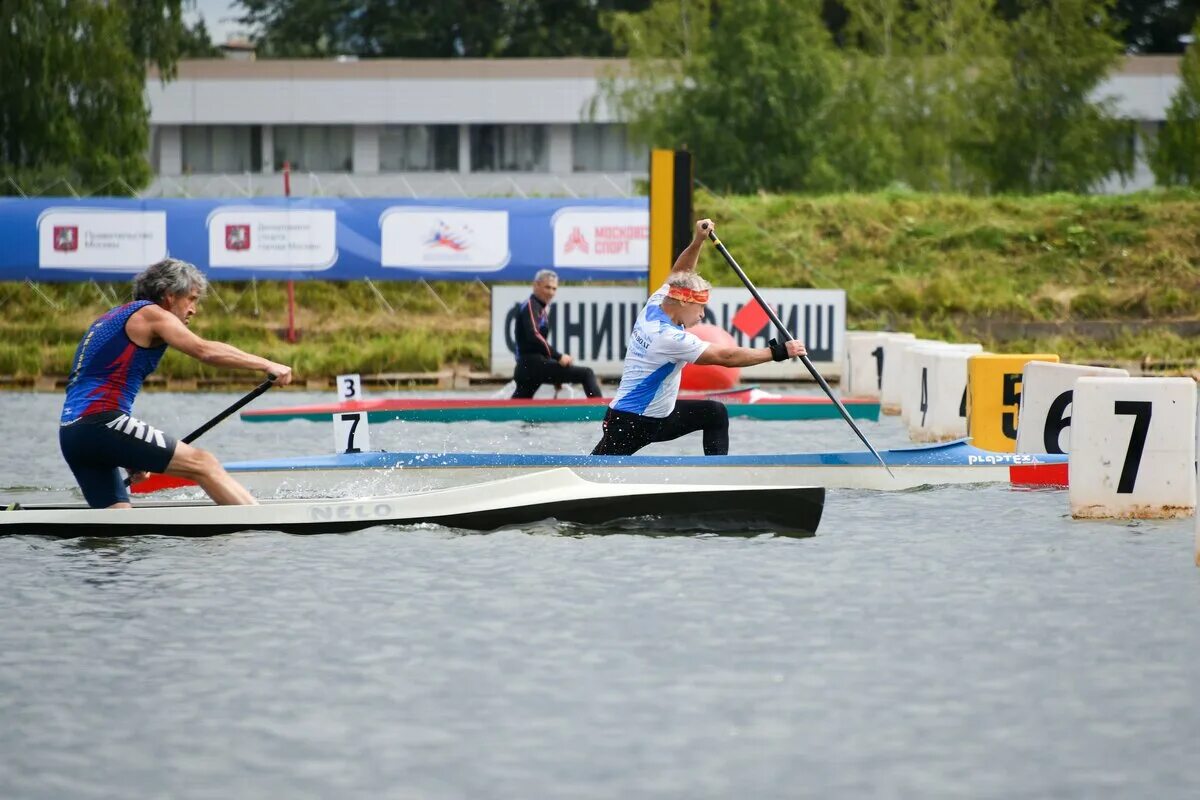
(670, 211)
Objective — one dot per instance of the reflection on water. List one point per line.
(956, 642)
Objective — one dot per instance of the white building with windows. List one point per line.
(444, 127)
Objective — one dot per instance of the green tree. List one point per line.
(1154, 26)
(423, 29)
(197, 42)
(559, 28)
(745, 86)
(1175, 156)
(1033, 125)
(72, 78)
(909, 63)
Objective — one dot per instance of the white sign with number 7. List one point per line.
(350, 432)
(1133, 448)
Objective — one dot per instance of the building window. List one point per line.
(155, 148)
(605, 148)
(221, 148)
(314, 148)
(418, 148)
(509, 148)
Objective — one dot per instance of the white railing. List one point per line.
(407, 184)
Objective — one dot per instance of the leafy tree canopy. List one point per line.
(72, 77)
(1176, 155)
(443, 29)
(744, 85)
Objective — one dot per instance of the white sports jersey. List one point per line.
(658, 349)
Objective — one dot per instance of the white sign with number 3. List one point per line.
(349, 388)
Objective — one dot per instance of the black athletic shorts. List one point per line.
(98, 445)
(626, 433)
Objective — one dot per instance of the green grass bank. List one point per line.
(1093, 278)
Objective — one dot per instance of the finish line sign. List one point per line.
(592, 324)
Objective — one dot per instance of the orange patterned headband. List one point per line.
(688, 295)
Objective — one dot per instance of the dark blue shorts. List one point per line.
(98, 445)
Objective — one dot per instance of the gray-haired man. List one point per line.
(98, 433)
(537, 360)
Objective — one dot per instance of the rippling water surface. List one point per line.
(938, 643)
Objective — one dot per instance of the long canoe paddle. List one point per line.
(804, 359)
(203, 429)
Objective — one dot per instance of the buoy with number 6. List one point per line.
(1046, 393)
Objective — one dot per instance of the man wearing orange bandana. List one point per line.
(646, 407)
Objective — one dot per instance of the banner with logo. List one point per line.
(107, 240)
(491, 239)
(592, 324)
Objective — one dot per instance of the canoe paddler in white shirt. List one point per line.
(646, 407)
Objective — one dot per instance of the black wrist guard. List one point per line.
(778, 351)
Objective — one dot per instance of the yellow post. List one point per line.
(670, 210)
(994, 398)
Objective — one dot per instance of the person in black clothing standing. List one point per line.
(537, 361)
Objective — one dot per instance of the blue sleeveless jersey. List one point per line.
(108, 368)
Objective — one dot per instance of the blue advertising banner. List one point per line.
(326, 238)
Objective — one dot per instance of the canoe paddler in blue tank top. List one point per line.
(98, 432)
(646, 407)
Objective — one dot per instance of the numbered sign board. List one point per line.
(891, 368)
(350, 433)
(994, 398)
(349, 388)
(862, 374)
(920, 386)
(1133, 448)
(941, 410)
(1046, 394)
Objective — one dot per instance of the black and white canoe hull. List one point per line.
(554, 494)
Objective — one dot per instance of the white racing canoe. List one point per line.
(554, 494)
(388, 473)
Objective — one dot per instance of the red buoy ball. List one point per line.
(710, 377)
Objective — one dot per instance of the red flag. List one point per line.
(751, 319)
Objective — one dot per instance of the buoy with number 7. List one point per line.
(1133, 448)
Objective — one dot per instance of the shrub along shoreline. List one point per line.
(1093, 278)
